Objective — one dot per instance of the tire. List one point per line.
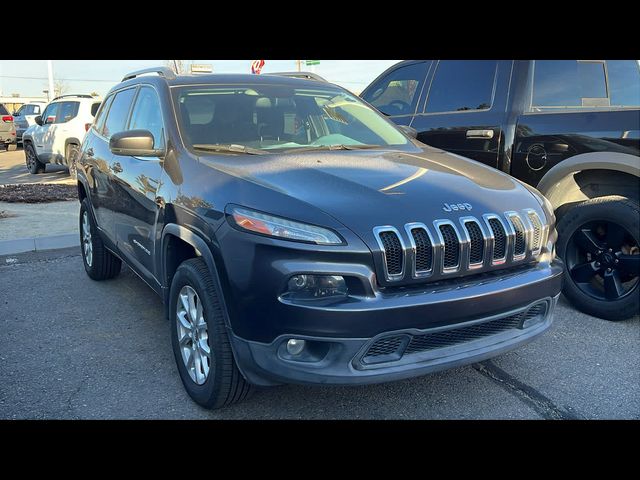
(71, 155)
(597, 217)
(34, 165)
(99, 263)
(223, 384)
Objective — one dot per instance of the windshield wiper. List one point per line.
(232, 148)
(331, 147)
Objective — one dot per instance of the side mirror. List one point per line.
(409, 131)
(38, 120)
(134, 143)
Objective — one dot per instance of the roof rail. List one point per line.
(307, 75)
(162, 71)
(72, 95)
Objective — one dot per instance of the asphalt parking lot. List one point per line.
(14, 170)
(74, 348)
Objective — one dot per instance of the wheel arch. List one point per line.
(591, 175)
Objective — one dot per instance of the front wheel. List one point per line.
(599, 241)
(199, 338)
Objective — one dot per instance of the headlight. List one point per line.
(264, 224)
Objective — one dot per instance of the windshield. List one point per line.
(278, 117)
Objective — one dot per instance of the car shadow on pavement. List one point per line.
(13, 169)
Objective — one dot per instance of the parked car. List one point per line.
(7, 128)
(58, 133)
(297, 236)
(26, 116)
(570, 128)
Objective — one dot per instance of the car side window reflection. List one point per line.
(147, 115)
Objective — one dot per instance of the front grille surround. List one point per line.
(521, 235)
(391, 277)
(419, 251)
(413, 252)
(463, 242)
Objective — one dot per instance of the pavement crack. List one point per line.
(529, 395)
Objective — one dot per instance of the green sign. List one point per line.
(312, 62)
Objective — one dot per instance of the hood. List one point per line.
(367, 188)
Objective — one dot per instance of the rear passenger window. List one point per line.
(624, 83)
(461, 85)
(102, 114)
(67, 111)
(147, 116)
(570, 83)
(118, 113)
(397, 93)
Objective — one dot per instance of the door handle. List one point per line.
(488, 133)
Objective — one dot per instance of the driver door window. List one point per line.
(397, 93)
(50, 114)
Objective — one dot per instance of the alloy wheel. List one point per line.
(193, 335)
(603, 259)
(87, 246)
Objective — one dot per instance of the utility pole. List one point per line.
(51, 93)
(298, 63)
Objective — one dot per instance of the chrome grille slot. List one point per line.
(451, 255)
(499, 239)
(476, 250)
(536, 237)
(424, 250)
(520, 243)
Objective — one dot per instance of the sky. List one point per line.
(29, 77)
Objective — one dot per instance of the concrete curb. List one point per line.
(21, 245)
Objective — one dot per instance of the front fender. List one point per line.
(559, 179)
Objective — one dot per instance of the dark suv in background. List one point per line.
(296, 235)
(571, 128)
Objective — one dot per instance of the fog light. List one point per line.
(295, 346)
(315, 287)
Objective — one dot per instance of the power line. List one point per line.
(65, 79)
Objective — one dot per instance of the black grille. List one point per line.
(476, 251)
(520, 239)
(385, 349)
(451, 246)
(500, 239)
(392, 252)
(424, 255)
(537, 231)
(390, 348)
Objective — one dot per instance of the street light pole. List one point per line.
(51, 93)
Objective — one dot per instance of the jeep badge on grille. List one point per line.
(454, 207)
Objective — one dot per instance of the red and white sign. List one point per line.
(256, 66)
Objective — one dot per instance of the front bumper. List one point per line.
(451, 327)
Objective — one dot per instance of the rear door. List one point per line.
(464, 108)
(396, 92)
(574, 107)
(108, 197)
(67, 111)
(137, 180)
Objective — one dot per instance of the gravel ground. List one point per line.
(37, 193)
